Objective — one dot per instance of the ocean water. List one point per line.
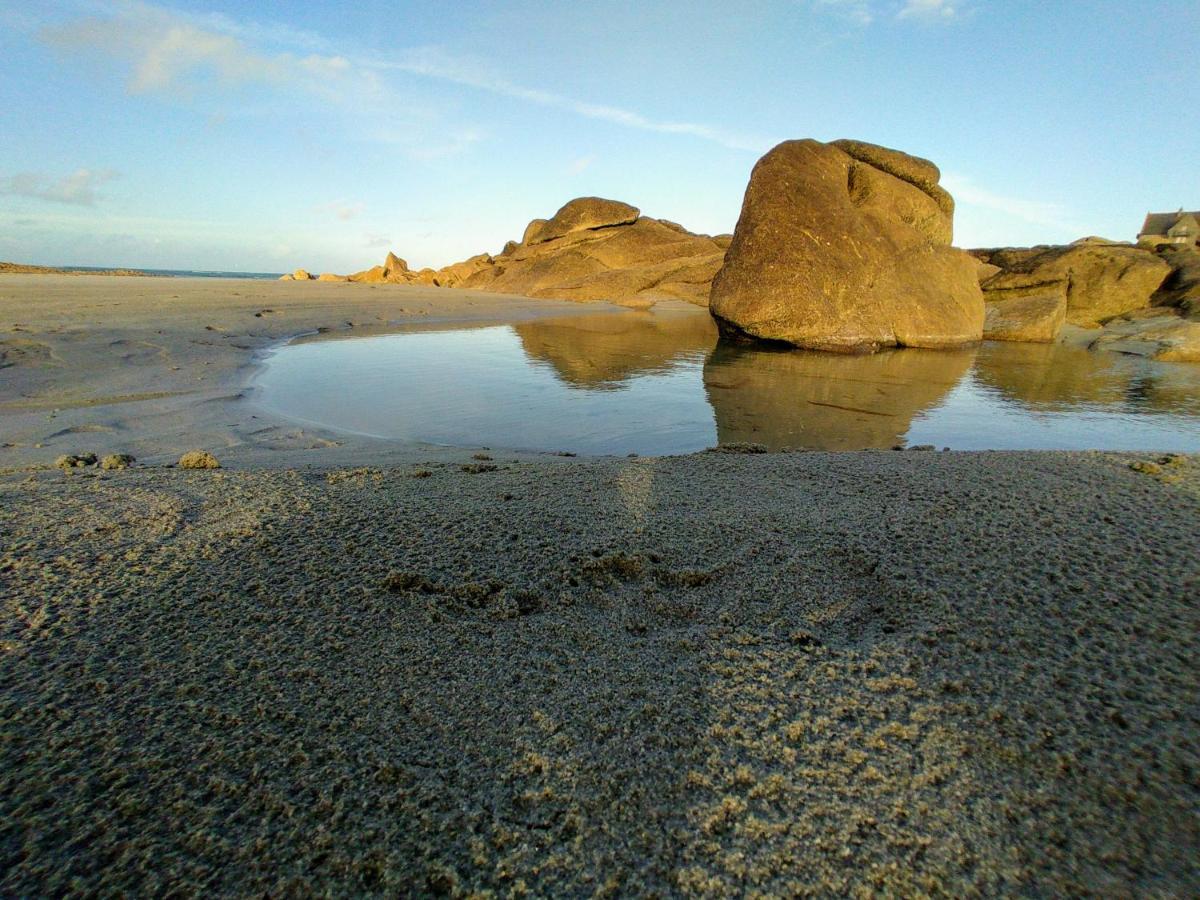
(179, 273)
(653, 382)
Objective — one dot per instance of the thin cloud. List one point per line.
(579, 165)
(1035, 212)
(377, 240)
(857, 11)
(929, 10)
(431, 62)
(342, 210)
(77, 189)
(169, 51)
(869, 12)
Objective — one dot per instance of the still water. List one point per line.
(658, 382)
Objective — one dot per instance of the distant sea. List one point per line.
(177, 273)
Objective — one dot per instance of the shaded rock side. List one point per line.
(1101, 281)
(833, 253)
(1182, 287)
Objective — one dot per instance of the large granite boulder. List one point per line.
(849, 251)
(1100, 280)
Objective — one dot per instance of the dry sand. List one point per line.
(315, 673)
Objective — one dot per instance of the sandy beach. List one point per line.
(345, 666)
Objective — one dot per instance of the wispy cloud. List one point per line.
(857, 11)
(170, 51)
(77, 189)
(377, 240)
(342, 210)
(432, 62)
(1035, 212)
(577, 166)
(869, 12)
(929, 10)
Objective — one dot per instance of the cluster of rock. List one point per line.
(591, 249)
(1111, 295)
(843, 246)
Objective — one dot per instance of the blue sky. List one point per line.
(263, 136)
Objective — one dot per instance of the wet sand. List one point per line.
(370, 668)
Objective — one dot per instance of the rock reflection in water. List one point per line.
(1064, 376)
(600, 351)
(806, 399)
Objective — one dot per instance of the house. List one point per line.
(1177, 228)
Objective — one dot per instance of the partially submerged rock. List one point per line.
(198, 459)
(846, 246)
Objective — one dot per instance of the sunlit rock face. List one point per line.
(823, 400)
(591, 249)
(1098, 280)
(846, 246)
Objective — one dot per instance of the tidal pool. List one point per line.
(658, 382)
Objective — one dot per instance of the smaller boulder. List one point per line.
(117, 461)
(1037, 318)
(198, 459)
(329, 276)
(583, 214)
(301, 275)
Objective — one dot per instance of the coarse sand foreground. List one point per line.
(913, 673)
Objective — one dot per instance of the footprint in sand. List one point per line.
(138, 353)
(21, 352)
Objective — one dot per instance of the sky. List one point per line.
(270, 135)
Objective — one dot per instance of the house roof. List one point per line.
(1159, 223)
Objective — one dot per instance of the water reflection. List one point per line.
(826, 401)
(657, 381)
(1062, 377)
(601, 351)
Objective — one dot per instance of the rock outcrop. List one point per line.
(1156, 334)
(585, 214)
(1100, 280)
(846, 246)
(591, 249)
(1035, 317)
